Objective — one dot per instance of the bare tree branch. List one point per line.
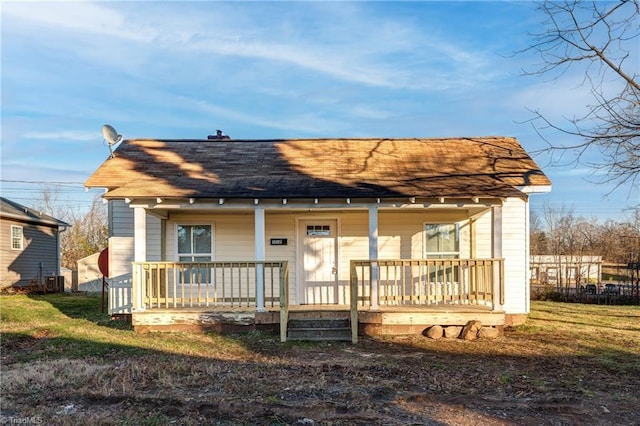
(604, 38)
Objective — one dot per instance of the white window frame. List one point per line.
(443, 254)
(177, 246)
(17, 239)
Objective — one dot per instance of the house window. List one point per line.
(194, 243)
(442, 241)
(16, 237)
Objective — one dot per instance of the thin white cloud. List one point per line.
(361, 47)
(84, 17)
(63, 135)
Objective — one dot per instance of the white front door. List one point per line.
(319, 281)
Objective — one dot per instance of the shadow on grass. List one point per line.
(254, 379)
(84, 306)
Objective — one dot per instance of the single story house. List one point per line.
(395, 234)
(30, 248)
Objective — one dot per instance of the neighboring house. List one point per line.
(565, 271)
(399, 233)
(30, 244)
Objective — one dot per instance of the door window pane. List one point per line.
(318, 230)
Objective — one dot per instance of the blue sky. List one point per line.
(275, 70)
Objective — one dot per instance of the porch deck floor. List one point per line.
(446, 307)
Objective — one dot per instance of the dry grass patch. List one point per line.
(67, 364)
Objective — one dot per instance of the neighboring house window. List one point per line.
(194, 243)
(16, 237)
(442, 241)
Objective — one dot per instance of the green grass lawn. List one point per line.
(67, 363)
(73, 326)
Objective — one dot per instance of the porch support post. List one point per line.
(527, 258)
(260, 256)
(496, 248)
(373, 255)
(139, 253)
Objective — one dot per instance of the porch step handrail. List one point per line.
(215, 284)
(407, 282)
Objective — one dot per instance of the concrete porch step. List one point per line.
(330, 329)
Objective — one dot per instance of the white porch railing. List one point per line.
(230, 285)
(425, 282)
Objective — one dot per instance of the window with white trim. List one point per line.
(16, 237)
(442, 240)
(195, 243)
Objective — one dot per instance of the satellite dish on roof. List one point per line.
(111, 136)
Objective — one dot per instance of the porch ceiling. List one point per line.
(470, 206)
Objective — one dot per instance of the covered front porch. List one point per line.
(381, 295)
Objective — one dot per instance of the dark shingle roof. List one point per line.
(318, 168)
(13, 210)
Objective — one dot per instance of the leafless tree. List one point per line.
(88, 233)
(602, 38)
(538, 236)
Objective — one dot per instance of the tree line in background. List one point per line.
(559, 232)
(88, 233)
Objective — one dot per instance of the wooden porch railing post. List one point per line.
(373, 278)
(498, 284)
(501, 282)
(260, 287)
(353, 308)
(137, 288)
(135, 297)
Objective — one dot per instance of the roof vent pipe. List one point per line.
(218, 136)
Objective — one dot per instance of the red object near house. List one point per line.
(103, 262)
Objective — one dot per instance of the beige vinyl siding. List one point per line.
(483, 235)
(401, 235)
(232, 234)
(283, 226)
(515, 253)
(37, 259)
(234, 240)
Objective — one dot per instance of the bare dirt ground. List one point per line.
(575, 373)
(399, 381)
